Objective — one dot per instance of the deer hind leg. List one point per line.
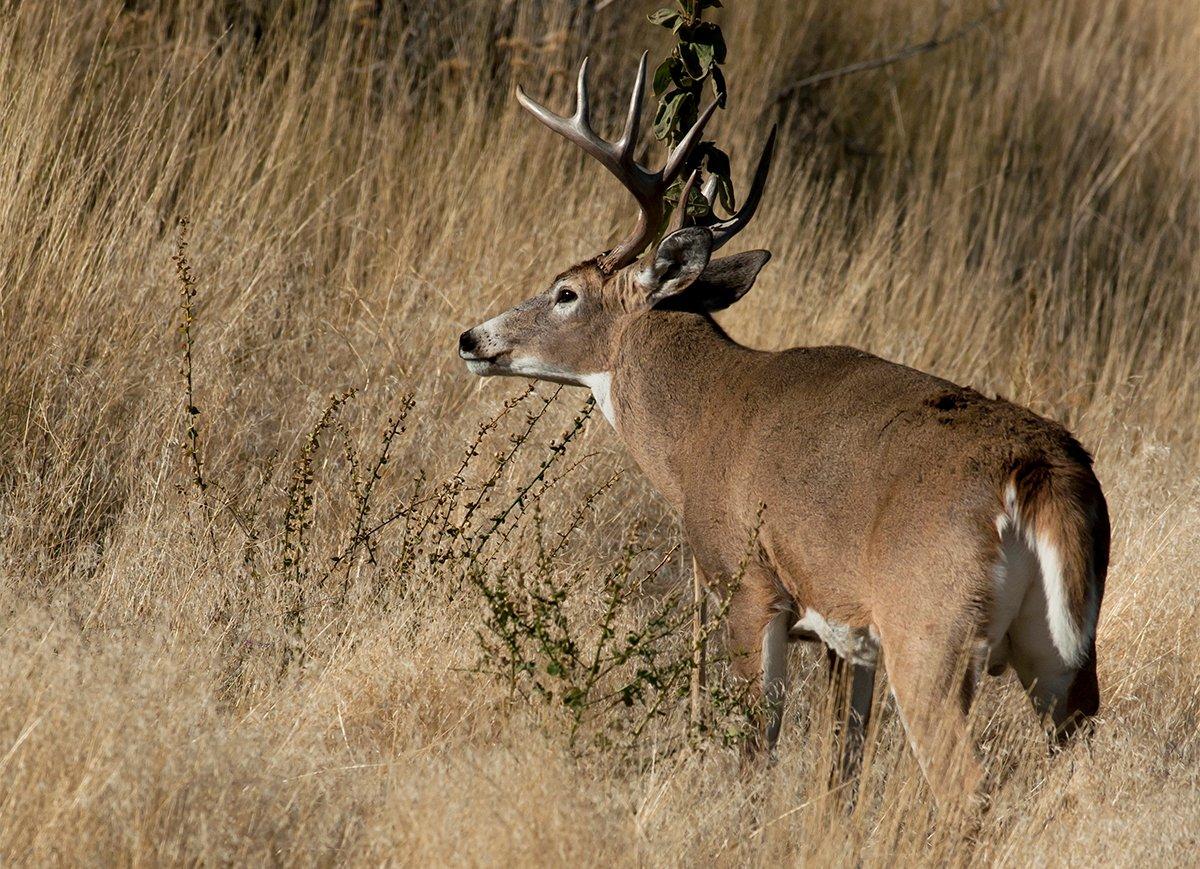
(1065, 694)
(932, 674)
(758, 632)
(861, 690)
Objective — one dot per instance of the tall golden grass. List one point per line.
(1019, 210)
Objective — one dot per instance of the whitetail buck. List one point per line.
(895, 511)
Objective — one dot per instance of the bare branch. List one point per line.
(932, 44)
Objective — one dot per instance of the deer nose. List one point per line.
(467, 343)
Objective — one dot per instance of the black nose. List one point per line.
(467, 342)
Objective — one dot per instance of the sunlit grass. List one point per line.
(1017, 211)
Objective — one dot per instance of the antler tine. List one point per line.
(724, 230)
(582, 103)
(576, 128)
(679, 215)
(709, 190)
(633, 120)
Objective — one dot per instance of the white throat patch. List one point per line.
(601, 387)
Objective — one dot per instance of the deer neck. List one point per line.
(670, 373)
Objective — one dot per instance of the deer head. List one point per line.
(567, 333)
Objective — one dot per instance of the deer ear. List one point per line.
(723, 282)
(680, 259)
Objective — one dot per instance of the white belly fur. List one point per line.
(859, 646)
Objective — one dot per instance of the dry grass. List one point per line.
(362, 188)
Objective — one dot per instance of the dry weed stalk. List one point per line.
(632, 658)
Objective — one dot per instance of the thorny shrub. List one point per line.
(612, 658)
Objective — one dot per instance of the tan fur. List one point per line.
(875, 490)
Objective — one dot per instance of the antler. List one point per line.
(679, 214)
(647, 187)
(724, 230)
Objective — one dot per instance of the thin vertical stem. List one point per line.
(699, 643)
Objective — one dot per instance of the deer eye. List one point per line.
(565, 296)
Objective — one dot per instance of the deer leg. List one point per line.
(852, 730)
(862, 692)
(774, 672)
(927, 680)
(758, 633)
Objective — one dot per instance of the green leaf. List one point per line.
(667, 118)
(662, 77)
(706, 33)
(673, 191)
(670, 72)
(717, 80)
(687, 113)
(691, 62)
(708, 4)
(664, 115)
(725, 193)
(711, 34)
(704, 55)
(716, 161)
(665, 17)
(697, 205)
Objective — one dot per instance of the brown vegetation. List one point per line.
(262, 643)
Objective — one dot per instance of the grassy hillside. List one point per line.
(228, 632)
